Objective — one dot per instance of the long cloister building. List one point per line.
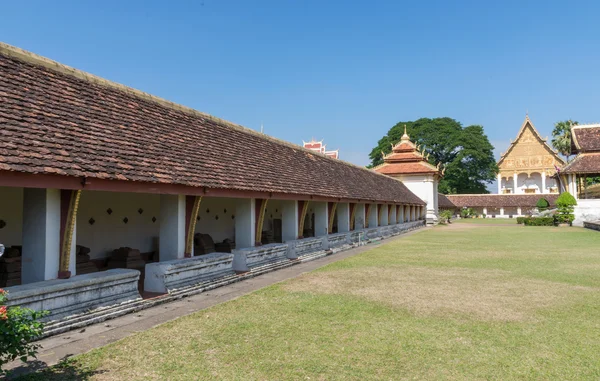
(107, 192)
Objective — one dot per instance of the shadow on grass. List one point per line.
(67, 370)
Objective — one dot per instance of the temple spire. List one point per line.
(405, 136)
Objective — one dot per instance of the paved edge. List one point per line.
(65, 345)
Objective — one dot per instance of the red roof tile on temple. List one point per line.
(499, 200)
(55, 120)
(585, 138)
(405, 159)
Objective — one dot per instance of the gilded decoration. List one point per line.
(529, 154)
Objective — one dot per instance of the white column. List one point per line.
(515, 180)
(321, 218)
(172, 227)
(413, 213)
(245, 223)
(359, 217)
(384, 215)
(41, 235)
(519, 211)
(393, 217)
(484, 211)
(289, 220)
(373, 216)
(343, 217)
(400, 216)
(544, 182)
(501, 211)
(499, 183)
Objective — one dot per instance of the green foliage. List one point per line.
(19, 327)
(445, 216)
(521, 220)
(561, 137)
(566, 206)
(466, 152)
(467, 213)
(542, 204)
(538, 221)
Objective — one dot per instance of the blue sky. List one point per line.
(342, 71)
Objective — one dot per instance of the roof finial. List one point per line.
(405, 136)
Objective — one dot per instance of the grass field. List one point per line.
(465, 301)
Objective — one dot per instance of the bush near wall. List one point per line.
(538, 221)
(520, 220)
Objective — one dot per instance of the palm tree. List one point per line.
(561, 137)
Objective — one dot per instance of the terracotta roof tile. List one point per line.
(499, 200)
(406, 168)
(584, 163)
(54, 122)
(585, 138)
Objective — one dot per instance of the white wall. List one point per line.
(109, 232)
(587, 210)
(11, 212)
(424, 187)
(215, 218)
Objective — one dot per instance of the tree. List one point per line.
(566, 205)
(561, 137)
(466, 152)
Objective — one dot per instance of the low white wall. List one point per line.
(171, 275)
(587, 210)
(11, 212)
(109, 231)
(79, 294)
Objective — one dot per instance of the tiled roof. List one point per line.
(499, 200)
(444, 202)
(584, 163)
(406, 168)
(57, 120)
(585, 138)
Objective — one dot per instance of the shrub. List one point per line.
(467, 213)
(566, 205)
(520, 220)
(542, 204)
(445, 216)
(19, 327)
(538, 221)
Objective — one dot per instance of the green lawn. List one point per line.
(487, 220)
(464, 301)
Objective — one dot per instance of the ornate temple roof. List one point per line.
(405, 159)
(585, 142)
(62, 123)
(529, 152)
(318, 146)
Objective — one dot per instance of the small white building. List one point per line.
(412, 168)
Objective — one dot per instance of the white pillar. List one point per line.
(401, 214)
(359, 217)
(515, 180)
(484, 211)
(499, 183)
(384, 215)
(289, 220)
(373, 216)
(172, 227)
(321, 218)
(519, 211)
(393, 217)
(343, 217)
(41, 235)
(413, 213)
(544, 182)
(501, 211)
(245, 223)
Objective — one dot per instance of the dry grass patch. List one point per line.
(492, 295)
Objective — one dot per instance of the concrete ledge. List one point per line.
(247, 258)
(179, 273)
(594, 225)
(372, 233)
(81, 293)
(308, 245)
(339, 239)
